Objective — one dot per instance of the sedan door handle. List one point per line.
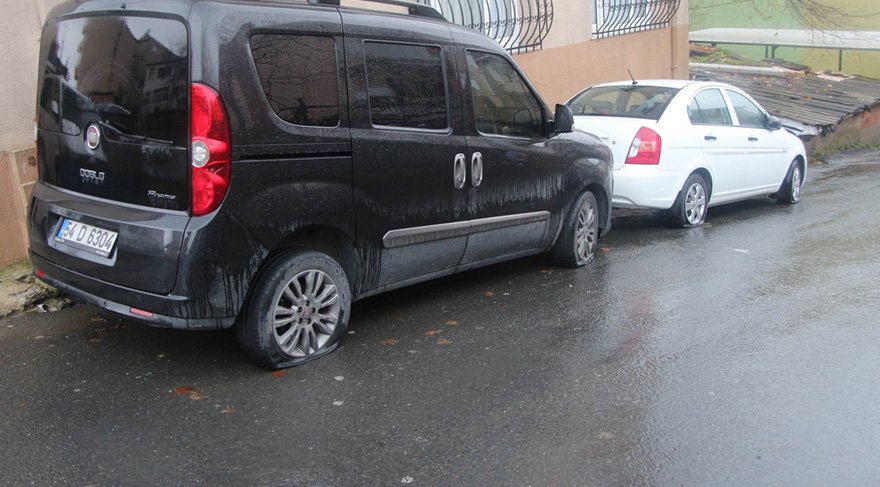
(753, 139)
(710, 138)
(459, 171)
(476, 169)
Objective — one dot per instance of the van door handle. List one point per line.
(476, 169)
(459, 172)
(710, 138)
(753, 139)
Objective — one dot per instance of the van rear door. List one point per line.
(112, 142)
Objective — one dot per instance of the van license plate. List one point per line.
(93, 239)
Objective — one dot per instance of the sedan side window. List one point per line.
(748, 113)
(503, 103)
(709, 108)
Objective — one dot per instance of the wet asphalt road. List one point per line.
(741, 353)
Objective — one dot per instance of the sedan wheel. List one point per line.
(790, 192)
(692, 203)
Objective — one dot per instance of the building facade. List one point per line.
(562, 45)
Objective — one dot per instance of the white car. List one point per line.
(687, 145)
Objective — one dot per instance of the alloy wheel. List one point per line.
(306, 313)
(585, 233)
(695, 204)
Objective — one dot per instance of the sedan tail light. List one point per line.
(645, 148)
(209, 150)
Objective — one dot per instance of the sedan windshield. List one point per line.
(633, 101)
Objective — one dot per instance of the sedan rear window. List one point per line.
(633, 101)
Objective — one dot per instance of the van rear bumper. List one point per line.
(167, 311)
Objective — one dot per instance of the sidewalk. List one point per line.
(20, 291)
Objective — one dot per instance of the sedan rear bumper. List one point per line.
(646, 186)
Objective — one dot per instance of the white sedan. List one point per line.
(687, 145)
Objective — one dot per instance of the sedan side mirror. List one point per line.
(773, 123)
(563, 119)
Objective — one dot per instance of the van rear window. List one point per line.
(130, 74)
(299, 77)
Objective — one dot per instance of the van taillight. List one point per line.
(36, 147)
(209, 151)
(645, 147)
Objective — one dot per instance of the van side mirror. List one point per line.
(563, 119)
(773, 123)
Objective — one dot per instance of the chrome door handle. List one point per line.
(459, 172)
(476, 169)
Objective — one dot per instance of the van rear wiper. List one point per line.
(122, 132)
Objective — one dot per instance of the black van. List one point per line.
(209, 164)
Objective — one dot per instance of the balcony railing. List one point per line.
(616, 17)
(518, 25)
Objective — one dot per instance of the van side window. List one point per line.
(406, 85)
(709, 108)
(503, 103)
(299, 77)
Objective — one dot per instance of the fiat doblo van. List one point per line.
(210, 164)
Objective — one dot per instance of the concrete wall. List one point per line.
(571, 60)
(19, 45)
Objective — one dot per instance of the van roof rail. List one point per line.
(416, 9)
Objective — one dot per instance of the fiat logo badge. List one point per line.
(93, 136)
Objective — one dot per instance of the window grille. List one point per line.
(518, 25)
(617, 17)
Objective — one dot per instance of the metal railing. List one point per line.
(617, 17)
(518, 25)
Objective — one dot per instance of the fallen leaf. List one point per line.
(489, 294)
(279, 373)
(452, 323)
(443, 341)
(605, 249)
(183, 389)
(432, 332)
(546, 271)
(391, 341)
(228, 410)
(195, 396)
(98, 319)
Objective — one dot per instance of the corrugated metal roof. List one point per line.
(818, 100)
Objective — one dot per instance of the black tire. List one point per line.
(297, 312)
(790, 190)
(692, 204)
(576, 245)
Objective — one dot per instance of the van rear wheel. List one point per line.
(297, 312)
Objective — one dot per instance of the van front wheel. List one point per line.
(298, 311)
(576, 245)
